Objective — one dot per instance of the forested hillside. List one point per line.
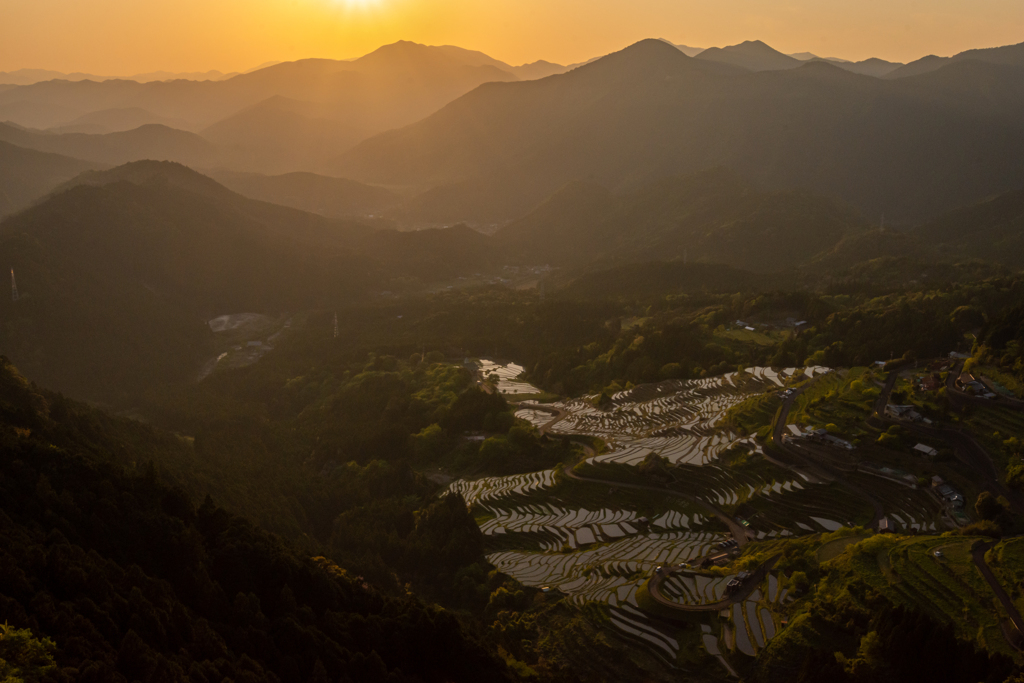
(131, 580)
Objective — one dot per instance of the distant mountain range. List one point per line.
(1009, 55)
(285, 117)
(471, 138)
(909, 148)
(30, 76)
(151, 141)
(331, 197)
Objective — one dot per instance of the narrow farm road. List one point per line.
(559, 414)
(749, 586)
(822, 470)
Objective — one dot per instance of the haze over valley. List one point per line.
(403, 362)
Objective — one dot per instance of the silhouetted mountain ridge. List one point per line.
(908, 148)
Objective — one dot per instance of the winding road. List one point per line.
(978, 554)
(824, 472)
(968, 451)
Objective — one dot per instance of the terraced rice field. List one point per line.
(507, 375)
(635, 625)
(907, 509)
(610, 573)
(569, 536)
(675, 419)
(695, 589)
(538, 418)
(752, 622)
(493, 488)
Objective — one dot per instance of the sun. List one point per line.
(360, 4)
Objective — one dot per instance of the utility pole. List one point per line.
(14, 288)
(335, 324)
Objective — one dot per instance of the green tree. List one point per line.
(23, 657)
(988, 506)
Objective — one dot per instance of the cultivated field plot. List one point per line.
(752, 622)
(907, 509)
(807, 509)
(636, 626)
(610, 573)
(493, 488)
(774, 502)
(675, 419)
(555, 528)
(507, 375)
(538, 418)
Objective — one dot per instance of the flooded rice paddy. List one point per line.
(548, 531)
(507, 376)
(676, 419)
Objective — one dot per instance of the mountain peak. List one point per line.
(754, 55)
(147, 172)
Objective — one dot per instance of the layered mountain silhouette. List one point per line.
(27, 175)
(753, 55)
(908, 148)
(151, 141)
(116, 121)
(1009, 55)
(327, 196)
(31, 76)
(288, 116)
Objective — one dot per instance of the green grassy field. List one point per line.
(753, 413)
(834, 548)
(748, 337)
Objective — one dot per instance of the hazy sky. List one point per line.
(122, 37)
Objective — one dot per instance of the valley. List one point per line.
(396, 362)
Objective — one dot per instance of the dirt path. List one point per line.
(751, 584)
(559, 413)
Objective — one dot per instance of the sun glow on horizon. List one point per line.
(364, 7)
(123, 37)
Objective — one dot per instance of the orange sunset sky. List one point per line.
(122, 37)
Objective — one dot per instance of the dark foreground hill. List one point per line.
(909, 148)
(119, 272)
(132, 582)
